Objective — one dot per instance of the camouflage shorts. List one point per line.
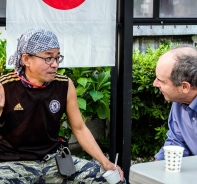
(25, 172)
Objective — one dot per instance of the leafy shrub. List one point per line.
(93, 93)
(93, 90)
(149, 108)
(3, 69)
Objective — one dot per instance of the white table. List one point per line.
(154, 173)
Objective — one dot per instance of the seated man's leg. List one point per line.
(20, 172)
(50, 173)
(86, 172)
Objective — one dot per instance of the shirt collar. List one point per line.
(192, 105)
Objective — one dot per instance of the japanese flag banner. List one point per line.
(85, 28)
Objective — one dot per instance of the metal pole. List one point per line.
(121, 93)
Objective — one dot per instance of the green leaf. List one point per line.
(140, 88)
(90, 80)
(96, 95)
(80, 90)
(61, 71)
(77, 72)
(101, 111)
(89, 108)
(83, 81)
(81, 103)
(107, 84)
(103, 77)
(105, 100)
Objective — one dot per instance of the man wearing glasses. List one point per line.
(32, 102)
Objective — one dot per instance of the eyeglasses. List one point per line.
(50, 60)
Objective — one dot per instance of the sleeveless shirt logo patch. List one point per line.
(54, 106)
(18, 107)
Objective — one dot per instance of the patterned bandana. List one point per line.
(32, 42)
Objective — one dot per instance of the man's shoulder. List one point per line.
(7, 78)
(60, 77)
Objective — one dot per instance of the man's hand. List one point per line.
(111, 166)
(2, 98)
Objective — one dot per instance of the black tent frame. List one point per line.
(121, 88)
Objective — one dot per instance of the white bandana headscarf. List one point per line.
(32, 42)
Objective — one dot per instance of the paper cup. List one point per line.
(173, 158)
(111, 176)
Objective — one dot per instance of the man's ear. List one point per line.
(25, 59)
(186, 87)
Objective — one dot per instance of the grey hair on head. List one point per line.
(185, 68)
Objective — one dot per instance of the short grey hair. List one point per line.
(185, 67)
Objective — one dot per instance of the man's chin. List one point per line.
(50, 77)
(50, 80)
(167, 99)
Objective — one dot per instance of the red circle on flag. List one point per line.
(64, 4)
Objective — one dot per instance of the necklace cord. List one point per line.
(28, 81)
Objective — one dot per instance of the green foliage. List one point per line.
(160, 135)
(104, 143)
(93, 90)
(2, 55)
(149, 108)
(65, 129)
(3, 69)
(83, 155)
(93, 93)
(146, 99)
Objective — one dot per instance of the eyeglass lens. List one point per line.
(50, 60)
